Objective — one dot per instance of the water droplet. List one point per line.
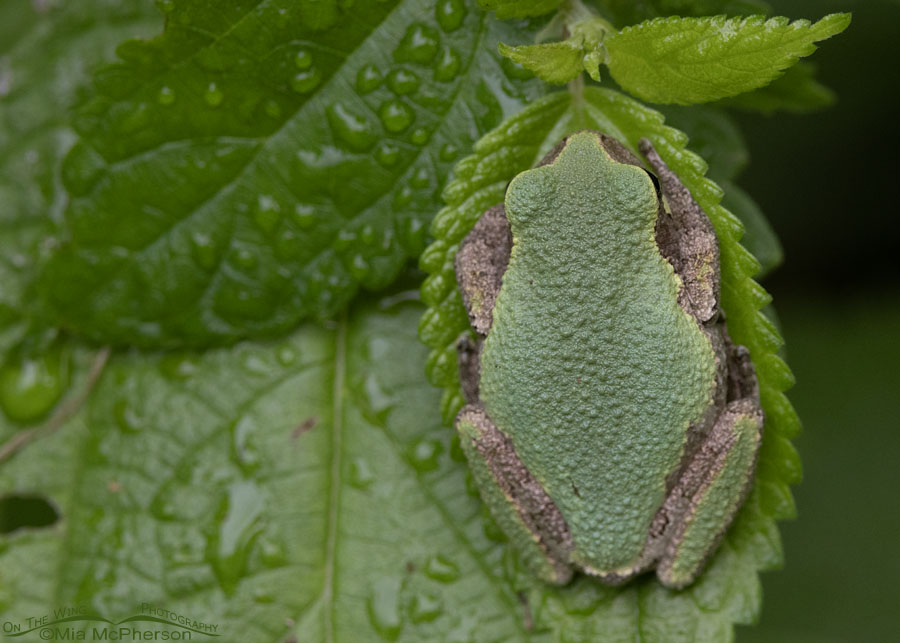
(421, 179)
(166, 96)
(166, 6)
(351, 129)
(424, 455)
(448, 65)
(425, 608)
(272, 552)
(303, 59)
(345, 238)
(213, 95)
(384, 607)
(368, 79)
(450, 14)
(367, 234)
(403, 197)
(272, 108)
(163, 505)
(419, 45)
(413, 232)
(244, 434)
(305, 81)
(442, 569)
(419, 136)
(305, 215)
(256, 363)
(240, 524)
(31, 385)
(287, 246)
(177, 366)
(359, 266)
(402, 81)
(268, 212)
(287, 355)
(204, 250)
(245, 258)
(396, 115)
(387, 154)
(361, 475)
(127, 419)
(448, 152)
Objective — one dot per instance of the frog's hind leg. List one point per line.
(480, 263)
(519, 504)
(687, 239)
(712, 487)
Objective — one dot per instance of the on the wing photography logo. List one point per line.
(78, 623)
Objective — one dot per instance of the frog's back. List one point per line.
(591, 366)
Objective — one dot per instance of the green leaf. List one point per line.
(728, 592)
(714, 136)
(696, 60)
(307, 488)
(796, 91)
(556, 62)
(258, 163)
(759, 237)
(559, 62)
(47, 51)
(519, 8)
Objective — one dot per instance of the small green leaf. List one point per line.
(519, 8)
(259, 163)
(696, 60)
(556, 62)
(728, 591)
(559, 62)
(796, 91)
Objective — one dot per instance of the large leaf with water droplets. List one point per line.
(307, 490)
(47, 53)
(259, 162)
(728, 591)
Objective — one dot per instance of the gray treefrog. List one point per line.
(611, 425)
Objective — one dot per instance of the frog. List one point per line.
(611, 425)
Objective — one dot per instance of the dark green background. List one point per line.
(827, 182)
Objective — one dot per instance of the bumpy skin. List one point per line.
(611, 424)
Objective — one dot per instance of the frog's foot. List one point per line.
(687, 239)
(702, 504)
(480, 263)
(519, 504)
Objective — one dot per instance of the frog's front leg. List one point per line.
(714, 483)
(687, 239)
(480, 263)
(520, 505)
